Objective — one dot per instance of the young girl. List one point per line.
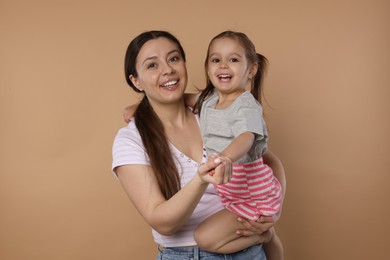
(232, 126)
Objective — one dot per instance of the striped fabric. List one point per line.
(253, 191)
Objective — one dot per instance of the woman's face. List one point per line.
(162, 72)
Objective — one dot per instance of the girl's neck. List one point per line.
(226, 99)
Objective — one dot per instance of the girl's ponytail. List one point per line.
(257, 81)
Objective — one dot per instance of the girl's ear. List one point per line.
(135, 82)
(253, 70)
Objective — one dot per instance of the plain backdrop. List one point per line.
(63, 92)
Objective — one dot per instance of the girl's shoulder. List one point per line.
(246, 99)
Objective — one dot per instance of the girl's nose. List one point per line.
(223, 65)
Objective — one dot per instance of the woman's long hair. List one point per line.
(149, 124)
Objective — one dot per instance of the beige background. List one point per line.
(63, 91)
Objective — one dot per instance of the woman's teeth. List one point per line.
(170, 83)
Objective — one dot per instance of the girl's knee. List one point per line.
(202, 240)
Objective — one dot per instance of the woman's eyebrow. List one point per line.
(172, 51)
(148, 59)
(155, 57)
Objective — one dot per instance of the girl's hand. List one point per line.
(262, 225)
(224, 170)
(217, 170)
(128, 113)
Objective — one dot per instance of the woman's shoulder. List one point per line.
(129, 129)
(128, 134)
(128, 147)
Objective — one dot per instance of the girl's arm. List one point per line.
(239, 146)
(190, 99)
(167, 216)
(128, 112)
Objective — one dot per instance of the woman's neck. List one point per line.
(172, 115)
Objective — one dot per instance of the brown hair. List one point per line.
(149, 124)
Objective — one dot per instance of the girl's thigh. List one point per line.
(219, 228)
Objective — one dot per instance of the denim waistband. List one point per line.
(251, 253)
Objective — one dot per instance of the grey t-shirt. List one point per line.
(221, 126)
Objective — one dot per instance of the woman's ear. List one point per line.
(135, 82)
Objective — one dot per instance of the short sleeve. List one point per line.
(128, 148)
(248, 118)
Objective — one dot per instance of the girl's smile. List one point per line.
(228, 67)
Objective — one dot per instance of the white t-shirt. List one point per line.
(129, 149)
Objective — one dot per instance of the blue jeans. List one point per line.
(195, 253)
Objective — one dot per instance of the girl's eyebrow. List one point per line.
(155, 57)
(232, 53)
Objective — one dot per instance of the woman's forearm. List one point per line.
(169, 216)
(165, 216)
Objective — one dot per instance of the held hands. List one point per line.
(217, 170)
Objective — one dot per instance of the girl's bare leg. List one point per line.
(218, 234)
(274, 248)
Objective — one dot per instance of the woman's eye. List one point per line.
(151, 65)
(174, 58)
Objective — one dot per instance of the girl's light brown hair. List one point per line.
(252, 57)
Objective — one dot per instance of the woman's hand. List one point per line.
(262, 225)
(217, 170)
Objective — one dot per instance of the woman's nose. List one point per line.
(168, 69)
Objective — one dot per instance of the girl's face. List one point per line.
(227, 66)
(162, 72)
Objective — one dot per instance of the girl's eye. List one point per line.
(215, 60)
(234, 60)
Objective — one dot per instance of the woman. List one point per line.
(160, 160)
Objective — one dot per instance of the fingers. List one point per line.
(127, 116)
(218, 168)
(270, 219)
(225, 169)
(253, 227)
(209, 166)
(128, 113)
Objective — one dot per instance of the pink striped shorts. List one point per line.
(253, 190)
